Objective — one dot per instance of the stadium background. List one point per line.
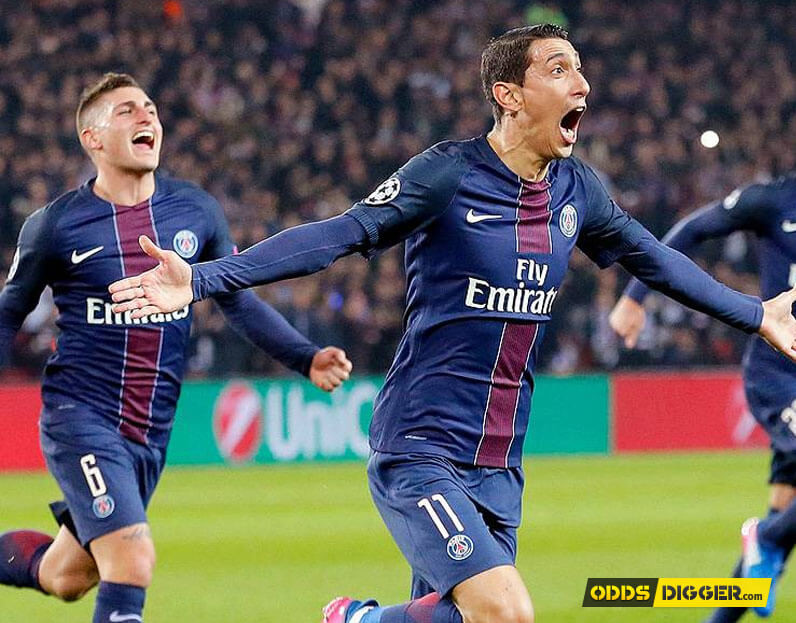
(288, 111)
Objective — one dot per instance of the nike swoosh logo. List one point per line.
(10, 560)
(79, 257)
(473, 218)
(115, 617)
(788, 227)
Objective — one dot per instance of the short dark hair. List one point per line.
(109, 82)
(505, 58)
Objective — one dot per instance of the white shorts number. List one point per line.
(788, 416)
(96, 483)
(792, 276)
(440, 499)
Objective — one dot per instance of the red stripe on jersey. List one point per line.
(533, 218)
(141, 361)
(143, 344)
(516, 344)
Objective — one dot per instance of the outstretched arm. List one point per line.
(673, 274)
(609, 234)
(262, 325)
(743, 209)
(266, 328)
(711, 221)
(294, 252)
(417, 194)
(628, 316)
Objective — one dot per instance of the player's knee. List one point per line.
(497, 609)
(126, 556)
(510, 614)
(66, 579)
(140, 568)
(519, 612)
(71, 587)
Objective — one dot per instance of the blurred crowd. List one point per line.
(288, 111)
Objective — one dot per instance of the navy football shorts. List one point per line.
(107, 480)
(772, 400)
(783, 468)
(450, 521)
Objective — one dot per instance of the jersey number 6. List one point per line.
(96, 483)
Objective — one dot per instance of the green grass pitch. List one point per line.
(273, 544)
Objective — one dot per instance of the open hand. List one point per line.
(165, 288)
(778, 327)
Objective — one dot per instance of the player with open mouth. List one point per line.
(110, 390)
(490, 224)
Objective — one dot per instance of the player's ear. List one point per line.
(89, 138)
(508, 96)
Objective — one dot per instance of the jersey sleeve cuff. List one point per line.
(306, 361)
(637, 291)
(757, 314)
(199, 291)
(370, 226)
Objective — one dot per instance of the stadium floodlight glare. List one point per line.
(709, 139)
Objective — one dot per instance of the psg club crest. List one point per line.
(386, 192)
(460, 546)
(185, 243)
(103, 506)
(568, 221)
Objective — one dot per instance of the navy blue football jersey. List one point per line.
(486, 254)
(483, 269)
(129, 370)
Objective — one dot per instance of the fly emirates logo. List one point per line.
(101, 312)
(518, 300)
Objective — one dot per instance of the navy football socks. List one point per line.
(20, 555)
(119, 603)
(778, 528)
(728, 615)
(428, 609)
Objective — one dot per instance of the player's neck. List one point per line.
(512, 148)
(124, 188)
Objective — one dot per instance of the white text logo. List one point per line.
(99, 312)
(519, 300)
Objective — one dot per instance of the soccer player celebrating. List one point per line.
(768, 210)
(489, 224)
(111, 388)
